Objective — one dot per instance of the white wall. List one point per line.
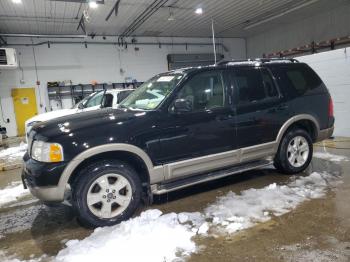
(101, 63)
(286, 35)
(334, 69)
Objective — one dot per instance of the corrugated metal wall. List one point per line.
(324, 26)
(334, 69)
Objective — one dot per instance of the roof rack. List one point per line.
(259, 60)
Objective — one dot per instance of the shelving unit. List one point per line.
(57, 91)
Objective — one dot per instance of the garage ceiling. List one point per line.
(233, 18)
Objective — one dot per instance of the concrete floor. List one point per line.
(317, 230)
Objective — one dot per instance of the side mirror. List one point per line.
(182, 105)
(81, 106)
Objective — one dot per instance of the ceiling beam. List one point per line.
(2, 41)
(145, 15)
(82, 24)
(100, 2)
(115, 9)
(42, 35)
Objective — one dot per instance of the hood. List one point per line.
(86, 122)
(51, 115)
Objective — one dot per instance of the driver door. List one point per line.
(207, 128)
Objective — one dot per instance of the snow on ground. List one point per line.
(234, 212)
(330, 157)
(154, 236)
(12, 193)
(13, 153)
(151, 236)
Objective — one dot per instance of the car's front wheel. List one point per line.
(295, 152)
(106, 193)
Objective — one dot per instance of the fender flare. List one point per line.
(155, 173)
(293, 120)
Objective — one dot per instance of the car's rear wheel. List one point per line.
(295, 152)
(106, 193)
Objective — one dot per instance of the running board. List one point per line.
(197, 179)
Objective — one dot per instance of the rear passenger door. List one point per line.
(260, 110)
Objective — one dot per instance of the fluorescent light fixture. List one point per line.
(198, 11)
(171, 15)
(263, 21)
(93, 4)
(17, 1)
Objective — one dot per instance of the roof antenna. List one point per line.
(213, 33)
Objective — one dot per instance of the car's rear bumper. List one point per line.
(325, 133)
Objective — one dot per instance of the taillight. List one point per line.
(330, 107)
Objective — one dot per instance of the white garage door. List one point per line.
(334, 69)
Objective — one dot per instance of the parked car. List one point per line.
(211, 122)
(91, 102)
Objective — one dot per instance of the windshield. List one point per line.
(150, 94)
(93, 99)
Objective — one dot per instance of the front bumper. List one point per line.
(42, 179)
(325, 134)
(47, 194)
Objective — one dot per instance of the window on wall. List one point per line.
(204, 91)
(254, 85)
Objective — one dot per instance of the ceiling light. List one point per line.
(17, 1)
(171, 15)
(93, 4)
(199, 11)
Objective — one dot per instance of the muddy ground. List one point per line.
(317, 230)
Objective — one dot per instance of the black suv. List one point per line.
(179, 129)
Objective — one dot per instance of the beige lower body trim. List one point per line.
(325, 134)
(217, 161)
(49, 194)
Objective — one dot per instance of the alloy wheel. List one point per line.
(109, 195)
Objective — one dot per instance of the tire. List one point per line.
(106, 193)
(292, 156)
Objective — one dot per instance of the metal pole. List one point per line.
(213, 32)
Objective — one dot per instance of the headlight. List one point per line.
(47, 152)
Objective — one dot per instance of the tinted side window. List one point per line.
(204, 91)
(249, 84)
(269, 85)
(301, 78)
(122, 95)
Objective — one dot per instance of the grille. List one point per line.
(3, 59)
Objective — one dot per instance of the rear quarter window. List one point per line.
(300, 79)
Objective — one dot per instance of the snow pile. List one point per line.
(148, 237)
(330, 157)
(234, 212)
(156, 237)
(12, 192)
(13, 153)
